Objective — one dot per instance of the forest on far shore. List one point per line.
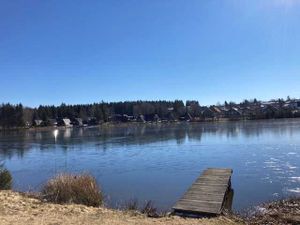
(13, 116)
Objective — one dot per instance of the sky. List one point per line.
(87, 51)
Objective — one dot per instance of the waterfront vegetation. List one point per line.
(14, 116)
(5, 179)
(78, 189)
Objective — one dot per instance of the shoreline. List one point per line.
(125, 124)
(21, 208)
(18, 208)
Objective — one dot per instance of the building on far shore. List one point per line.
(77, 122)
(233, 113)
(64, 122)
(207, 113)
(141, 119)
(52, 122)
(38, 123)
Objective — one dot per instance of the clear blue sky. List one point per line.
(210, 50)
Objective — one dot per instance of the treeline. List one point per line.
(18, 116)
(106, 111)
(11, 116)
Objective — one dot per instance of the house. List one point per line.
(77, 122)
(52, 122)
(67, 122)
(296, 113)
(122, 118)
(91, 121)
(207, 113)
(248, 112)
(218, 112)
(171, 117)
(269, 111)
(188, 117)
(152, 118)
(38, 123)
(233, 113)
(141, 119)
(156, 119)
(64, 122)
(292, 104)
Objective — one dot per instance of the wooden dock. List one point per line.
(207, 196)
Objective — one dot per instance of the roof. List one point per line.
(67, 121)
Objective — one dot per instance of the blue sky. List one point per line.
(210, 50)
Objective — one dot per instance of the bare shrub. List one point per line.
(5, 179)
(149, 210)
(78, 189)
(131, 205)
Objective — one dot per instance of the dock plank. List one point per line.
(207, 193)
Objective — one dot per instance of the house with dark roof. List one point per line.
(233, 113)
(77, 122)
(207, 113)
(218, 112)
(292, 104)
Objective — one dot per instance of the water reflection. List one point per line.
(18, 142)
(55, 134)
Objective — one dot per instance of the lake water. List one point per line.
(159, 162)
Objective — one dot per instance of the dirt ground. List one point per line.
(16, 208)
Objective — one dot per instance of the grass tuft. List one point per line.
(131, 205)
(78, 189)
(149, 210)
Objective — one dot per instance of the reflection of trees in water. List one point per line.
(18, 142)
(15, 144)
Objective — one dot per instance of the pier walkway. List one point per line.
(207, 196)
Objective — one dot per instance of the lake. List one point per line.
(159, 162)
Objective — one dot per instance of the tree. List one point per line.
(11, 115)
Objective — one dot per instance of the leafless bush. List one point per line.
(149, 209)
(5, 179)
(131, 205)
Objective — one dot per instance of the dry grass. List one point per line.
(18, 209)
(77, 189)
(150, 210)
(283, 212)
(147, 208)
(131, 205)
